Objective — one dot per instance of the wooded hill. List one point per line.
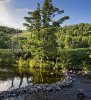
(6, 33)
(8, 30)
(75, 36)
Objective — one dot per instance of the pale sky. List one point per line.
(11, 16)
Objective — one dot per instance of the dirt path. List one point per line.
(67, 94)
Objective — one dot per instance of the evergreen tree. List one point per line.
(49, 12)
(33, 22)
(43, 43)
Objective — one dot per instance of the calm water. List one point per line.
(10, 79)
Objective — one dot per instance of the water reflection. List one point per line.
(12, 79)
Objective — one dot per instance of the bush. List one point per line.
(74, 58)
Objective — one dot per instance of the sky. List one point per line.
(12, 12)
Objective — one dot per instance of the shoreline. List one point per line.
(35, 88)
(46, 92)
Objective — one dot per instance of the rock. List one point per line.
(57, 88)
(13, 95)
(33, 90)
(80, 94)
(39, 88)
(48, 89)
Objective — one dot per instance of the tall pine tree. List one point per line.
(43, 43)
(33, 22)
(49, 12)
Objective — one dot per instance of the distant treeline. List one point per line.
(7, 30)
(74, 36)
(5, 36)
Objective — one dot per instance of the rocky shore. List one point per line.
(65, 82)
(74, 88)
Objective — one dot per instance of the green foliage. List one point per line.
(68, 59)
(74, 58)
(74, 36)
(47, 44)
(7, 30)
(50, 45)
(49, 12)
(5, 36)
(42, 43)
(4, 41)
(34, 19)
(6, 58)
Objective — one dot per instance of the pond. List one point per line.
(11, 79)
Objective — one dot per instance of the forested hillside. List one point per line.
(7, 30)
(74, 36)
(6, 34)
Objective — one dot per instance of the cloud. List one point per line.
(5, 0)
(23, 10)
(18, 16)
(10, 16)
(5, 17)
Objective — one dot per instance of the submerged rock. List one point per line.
(80, 94)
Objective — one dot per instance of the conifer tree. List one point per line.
(33, 22)
(49, 12)
(43, 42)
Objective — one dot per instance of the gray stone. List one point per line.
(49, 88)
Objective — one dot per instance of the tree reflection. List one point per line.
(12, 83)
(21, 81)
